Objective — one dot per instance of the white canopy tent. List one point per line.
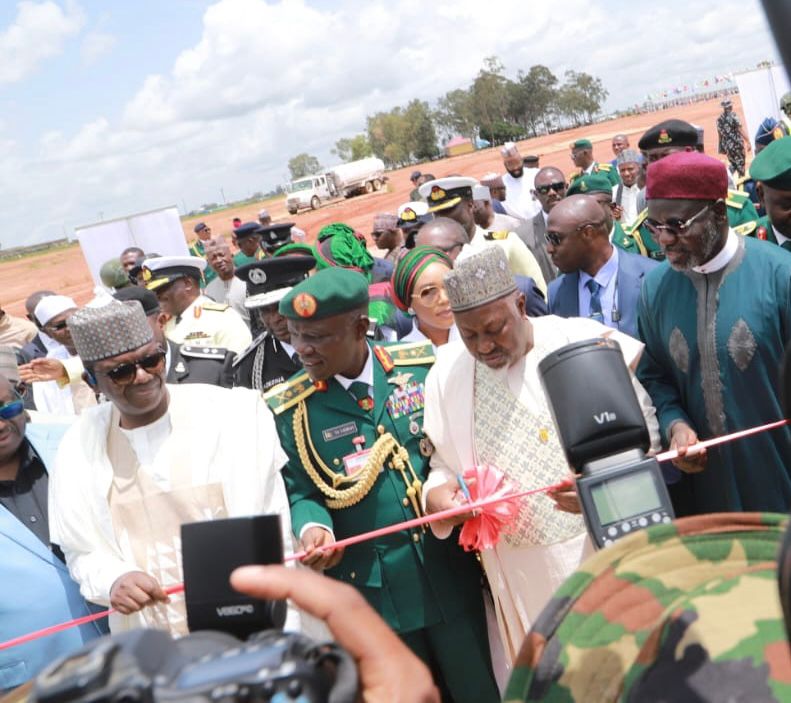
(760, 91)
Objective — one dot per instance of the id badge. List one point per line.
(352, 463)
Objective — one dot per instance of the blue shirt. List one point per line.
(606, 277)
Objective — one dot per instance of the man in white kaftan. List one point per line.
(485, 405)
(128, 473)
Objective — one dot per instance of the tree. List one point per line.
(490, 97)
(352, 149)
(454, 114)
(387, 134)
(419, 131)
(303, 165)
(533, 98)
(580, 97)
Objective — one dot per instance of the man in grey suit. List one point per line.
(549, 188)
(599, 280)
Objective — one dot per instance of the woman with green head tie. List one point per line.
(418, 289)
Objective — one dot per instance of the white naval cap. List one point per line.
(445, 193)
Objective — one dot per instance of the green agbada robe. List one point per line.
(714, 349)
(415, 581)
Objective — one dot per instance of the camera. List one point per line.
(148, 666)
(604, 435)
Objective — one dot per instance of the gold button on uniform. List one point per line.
(352, 574)
(405, 502)
(416, 537)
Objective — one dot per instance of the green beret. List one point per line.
(582, 144)
(331, 291)
(296, 249)
(590, 183)
(772, 166)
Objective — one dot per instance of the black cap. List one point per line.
(276, 235)
(675, 133)
(273, 274)
(148, 299)
(199, 227)
(247, 230)
(415, 175)
(530, 159)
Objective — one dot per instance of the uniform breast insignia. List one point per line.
(496, 236)
(199, 352)
(761, 233)
(426, 447)
(400, 379)
(197, 335)
(180, 367)
(406, 400)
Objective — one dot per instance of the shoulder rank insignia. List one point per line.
(200, 352)
(286, 395)
(747, 229)
(604, 167)
(736, 199)
(384, 358)
(496, 236)
(411, 353)
(215, 307)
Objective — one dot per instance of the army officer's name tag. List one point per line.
(354, 462)
(344, 430)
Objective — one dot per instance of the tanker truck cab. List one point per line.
(309, 192)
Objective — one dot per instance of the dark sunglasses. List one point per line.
(124, 374)
(59, 326)
(555, 239)
(8, 411)
(558, 187)
(676, 226)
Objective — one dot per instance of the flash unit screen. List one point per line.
(625, 496)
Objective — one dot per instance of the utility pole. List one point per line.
(222, 192)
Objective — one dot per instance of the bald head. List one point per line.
(443, 233)
(578, 235)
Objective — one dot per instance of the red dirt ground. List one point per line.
(66, 272)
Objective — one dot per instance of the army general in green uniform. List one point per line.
(352, 426)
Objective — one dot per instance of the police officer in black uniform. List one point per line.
(270, 359)
(184, 363)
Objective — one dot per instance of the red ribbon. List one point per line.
(407, 525)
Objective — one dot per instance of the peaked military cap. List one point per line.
(275, 236)
(772, 166)
(331, 291)
(163, 270)
(669, 133)
(590, 183)
(582, 144)
(145, 297)
(248, 229)
(413, 214)
(445, 193)
(270, 279)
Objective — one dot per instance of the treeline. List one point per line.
(493, 107)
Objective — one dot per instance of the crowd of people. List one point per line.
(347, 389)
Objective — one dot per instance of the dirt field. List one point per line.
(65, 271)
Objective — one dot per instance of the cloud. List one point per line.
(38, 33)
(95, 45)
(267, 80)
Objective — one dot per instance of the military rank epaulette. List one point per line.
(496, 236)
(736, 199)
(253, 346)
(604, 167)
(200, 352)
(636, 224)
(404, 354)
(215, 307)
(746, 229)
(286, 395)
(740, 183)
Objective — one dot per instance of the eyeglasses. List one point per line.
(58, 326)
(556, 240)
(124, 374)
(12, 409)
(676, 226)
(429, 295)
(558, 187)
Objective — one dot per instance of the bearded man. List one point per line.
(715, 319)
(485, 405)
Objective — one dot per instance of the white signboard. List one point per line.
(156, 231)
(760, 92)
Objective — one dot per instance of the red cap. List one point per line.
(686, 175)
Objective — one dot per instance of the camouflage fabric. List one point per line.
(681, 612)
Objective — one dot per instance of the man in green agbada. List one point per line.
(352, 426)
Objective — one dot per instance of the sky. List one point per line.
(111, 108)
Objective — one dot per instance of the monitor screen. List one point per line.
(624, 497)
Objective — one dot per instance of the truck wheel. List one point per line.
(369, 187)
(377, 184)
(315, 202)
(292, 211)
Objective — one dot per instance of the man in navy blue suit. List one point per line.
(599, 280)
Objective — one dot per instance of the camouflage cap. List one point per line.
(677, 612)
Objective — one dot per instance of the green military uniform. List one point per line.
(681, 612)
(209, 274)
(605, 169)
(241, 259)
(742, 217)
(772, 168)
(766, 232)
(427, 590)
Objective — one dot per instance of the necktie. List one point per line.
(595, 306)
(362, 393)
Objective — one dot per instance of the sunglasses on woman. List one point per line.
(428, 295)
(124, 374)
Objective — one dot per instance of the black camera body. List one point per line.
(604, 435)
(148, 666)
